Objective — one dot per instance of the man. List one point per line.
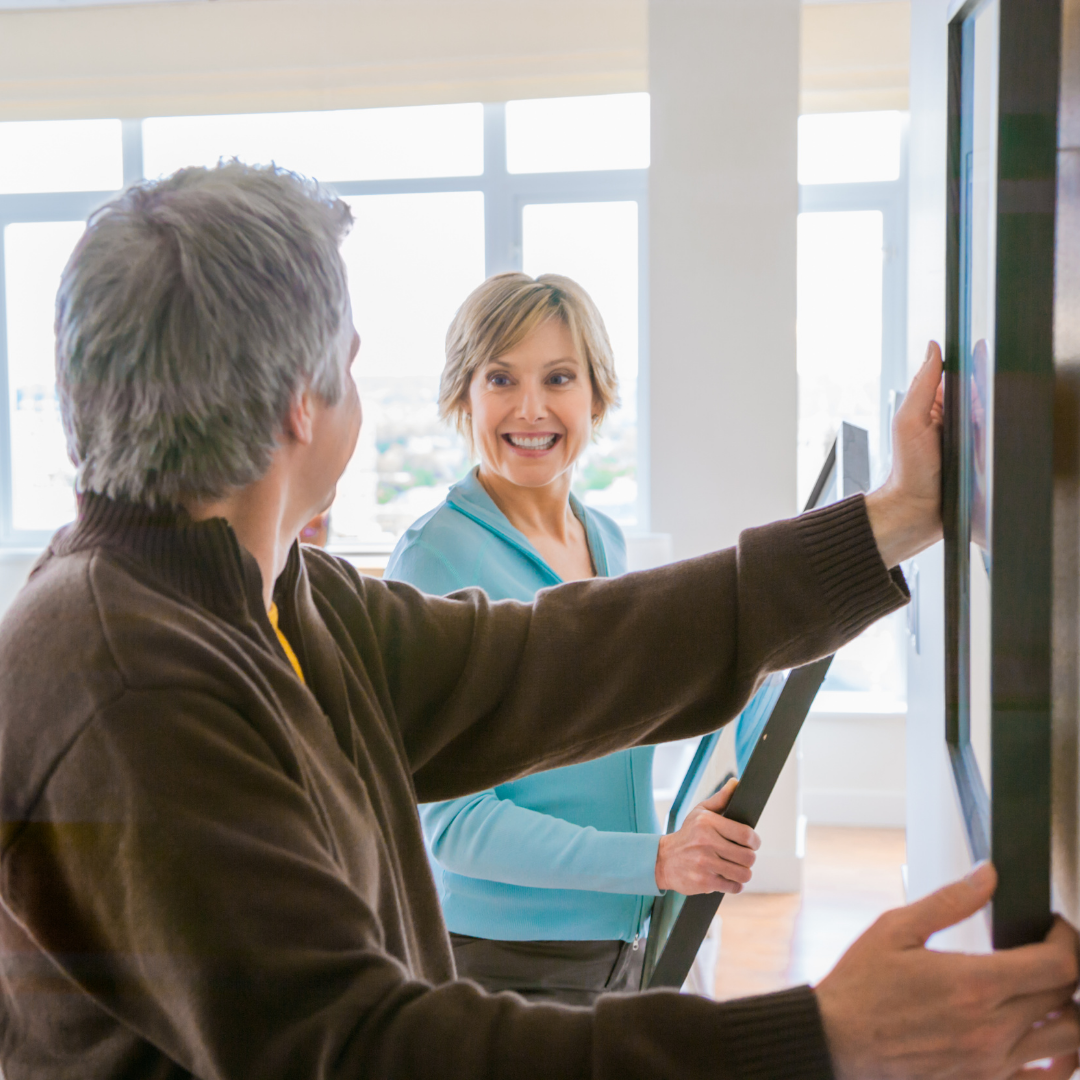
(212, 741)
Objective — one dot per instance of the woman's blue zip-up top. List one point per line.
(564, 855)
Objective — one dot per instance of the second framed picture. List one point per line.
(998, 468)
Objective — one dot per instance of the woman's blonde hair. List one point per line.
(500, 314)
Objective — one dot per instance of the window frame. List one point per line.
(890, 197)
(505, 194)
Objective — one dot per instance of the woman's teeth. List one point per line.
(534, 442)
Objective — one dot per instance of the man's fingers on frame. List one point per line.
(1051, 1039)
(1059, 1069)
(1024, 1012)
(924, 385)
(1034, 969)
(1064, 934)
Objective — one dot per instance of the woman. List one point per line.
(546, 882)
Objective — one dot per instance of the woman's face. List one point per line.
(532, 408)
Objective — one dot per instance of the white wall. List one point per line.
(723, 199)
(719, 429)
(936, 846)
(853, 768)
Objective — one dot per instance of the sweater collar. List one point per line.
(469, 497)
(201, 559)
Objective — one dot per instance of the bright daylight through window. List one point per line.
(442, 196)
(850, 334)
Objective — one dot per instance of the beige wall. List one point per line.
(855, 56)
(279, 55)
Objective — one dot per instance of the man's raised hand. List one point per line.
(905, 512)
(895, 1010)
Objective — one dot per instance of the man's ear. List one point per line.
(299, 423)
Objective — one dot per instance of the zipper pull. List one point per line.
(636, 938)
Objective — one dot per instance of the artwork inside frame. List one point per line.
(998, 462)
(678, 924)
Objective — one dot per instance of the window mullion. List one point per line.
(131, 136)
(6, 523)
(502, 218)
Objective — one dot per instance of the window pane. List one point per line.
(839, 366)
(596, 244)
(350, 144)
(60, 155)
(412, 260)
(838, 331)
(42, 477)
(847, 148)
(608, 131)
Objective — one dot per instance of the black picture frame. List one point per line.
(1008, 820)
(679, 923)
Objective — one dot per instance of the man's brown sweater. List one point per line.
(210, 869)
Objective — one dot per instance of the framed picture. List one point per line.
(998, 462)
(771, 723)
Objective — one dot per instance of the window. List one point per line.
(851, 321)
(42, 477)
(596, 244)
(347, 144)
(443, 196)
(60, 155)
(578, 134)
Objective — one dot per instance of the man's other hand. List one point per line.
(895, 1009)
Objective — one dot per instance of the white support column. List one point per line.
(723, 199)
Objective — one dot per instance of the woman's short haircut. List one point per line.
(501, 313)
(192, 312)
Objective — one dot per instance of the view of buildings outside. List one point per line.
(403, 303)
(412, 258)
(596, 244)
(42, 476)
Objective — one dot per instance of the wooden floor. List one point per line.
(769, 941)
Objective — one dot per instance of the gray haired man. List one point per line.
(212, 740)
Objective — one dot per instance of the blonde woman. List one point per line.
(546, 882)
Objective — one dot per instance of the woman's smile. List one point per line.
(533, 443)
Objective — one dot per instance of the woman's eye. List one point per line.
(499, 380)
(561, 379)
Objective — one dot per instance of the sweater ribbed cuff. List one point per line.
(858, 587)
(777, 1035)
(661, 1035)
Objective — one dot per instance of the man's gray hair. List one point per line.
(192, 312)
